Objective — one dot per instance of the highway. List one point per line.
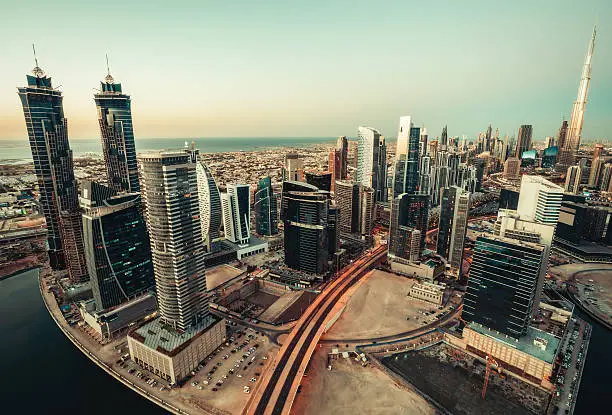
(278, 386)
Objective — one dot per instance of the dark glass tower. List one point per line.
(116, 130)
(406, 176)
(502, 284)
(59, 199)
(310, 227)
(116, 245)
(412, 211)
(266, 208)
(524, 140)
(322, 180)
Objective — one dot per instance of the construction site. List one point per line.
(263, 300)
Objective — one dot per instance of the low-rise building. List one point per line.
(433, 293)
(172, 354)
(108, 322)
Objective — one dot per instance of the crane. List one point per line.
(490, 362)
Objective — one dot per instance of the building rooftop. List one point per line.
(165, 339)
(526, 343)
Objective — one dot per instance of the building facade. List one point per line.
(573, 179)
(310, 222)
(454, 211)
(266, 208)
(372, 162)
(502, 285)
(48, 135)
(236, 204)
(209, 200)
(116, 245)
(171, 197)
(117, 133)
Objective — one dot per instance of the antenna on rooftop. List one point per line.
(109, 79)
(37, 71)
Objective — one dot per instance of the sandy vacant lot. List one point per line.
(380, 307)
(352, 389)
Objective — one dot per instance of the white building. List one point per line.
(539, 200)
(572, 179)
(210, 204)
(403, 136)
(236, 205)
(432, 293)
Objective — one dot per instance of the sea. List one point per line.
(18, 151)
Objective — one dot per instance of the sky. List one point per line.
(313, 68)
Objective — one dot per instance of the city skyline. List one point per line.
(290, 79)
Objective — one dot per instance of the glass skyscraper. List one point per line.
(116, 131)
(116, 245)
(210, 204)
(503, 284)
(266, 208)
(48, 134)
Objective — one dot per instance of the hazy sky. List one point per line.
(313, 68)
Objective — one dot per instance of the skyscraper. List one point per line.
(410, 211)
(501, 291)
(48, 134)
(444, 139)
(236, 205)
(488, 143)
(372, 162)
(322, 180)
(572, 180)
(310, 224)
(406, 176)
(569, 147)
(171, 197)
(596, 170)
(524, 140)
(116, 131)
(294, 168)
(209, 200)
(116, 245)
(454, 210)
(356, 204)
(403, 136)
(172, 345)
(338, 159)
(266, 208)
(542, 200)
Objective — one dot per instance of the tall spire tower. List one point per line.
(567, 156)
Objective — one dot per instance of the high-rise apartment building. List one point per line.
(173, 345)
(310, 223)
(209, 200)
(294, 168)
(410, 210)
(524, 140)
(569, 146)
(501, 291)
(542, 200)
(266, 208)
(116, 245)
(338, 161)
(171, 196)
(605, 184)
(372, 162)
(236, 205)
(512, 168)
(403, 136)
(59, 199)
(322, 180)
(454, 211)
(117, 133)
(356, 204)
(596, 170)
(573, 179)
(406, 176)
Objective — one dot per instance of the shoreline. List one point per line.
(159, 402)
(597, 318)
(20, 271)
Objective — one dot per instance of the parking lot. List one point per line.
(574, 348)
(224, 380)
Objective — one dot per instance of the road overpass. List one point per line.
(278, 386)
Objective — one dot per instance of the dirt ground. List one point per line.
(380, 306)
(563, 272)
(352, 389)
